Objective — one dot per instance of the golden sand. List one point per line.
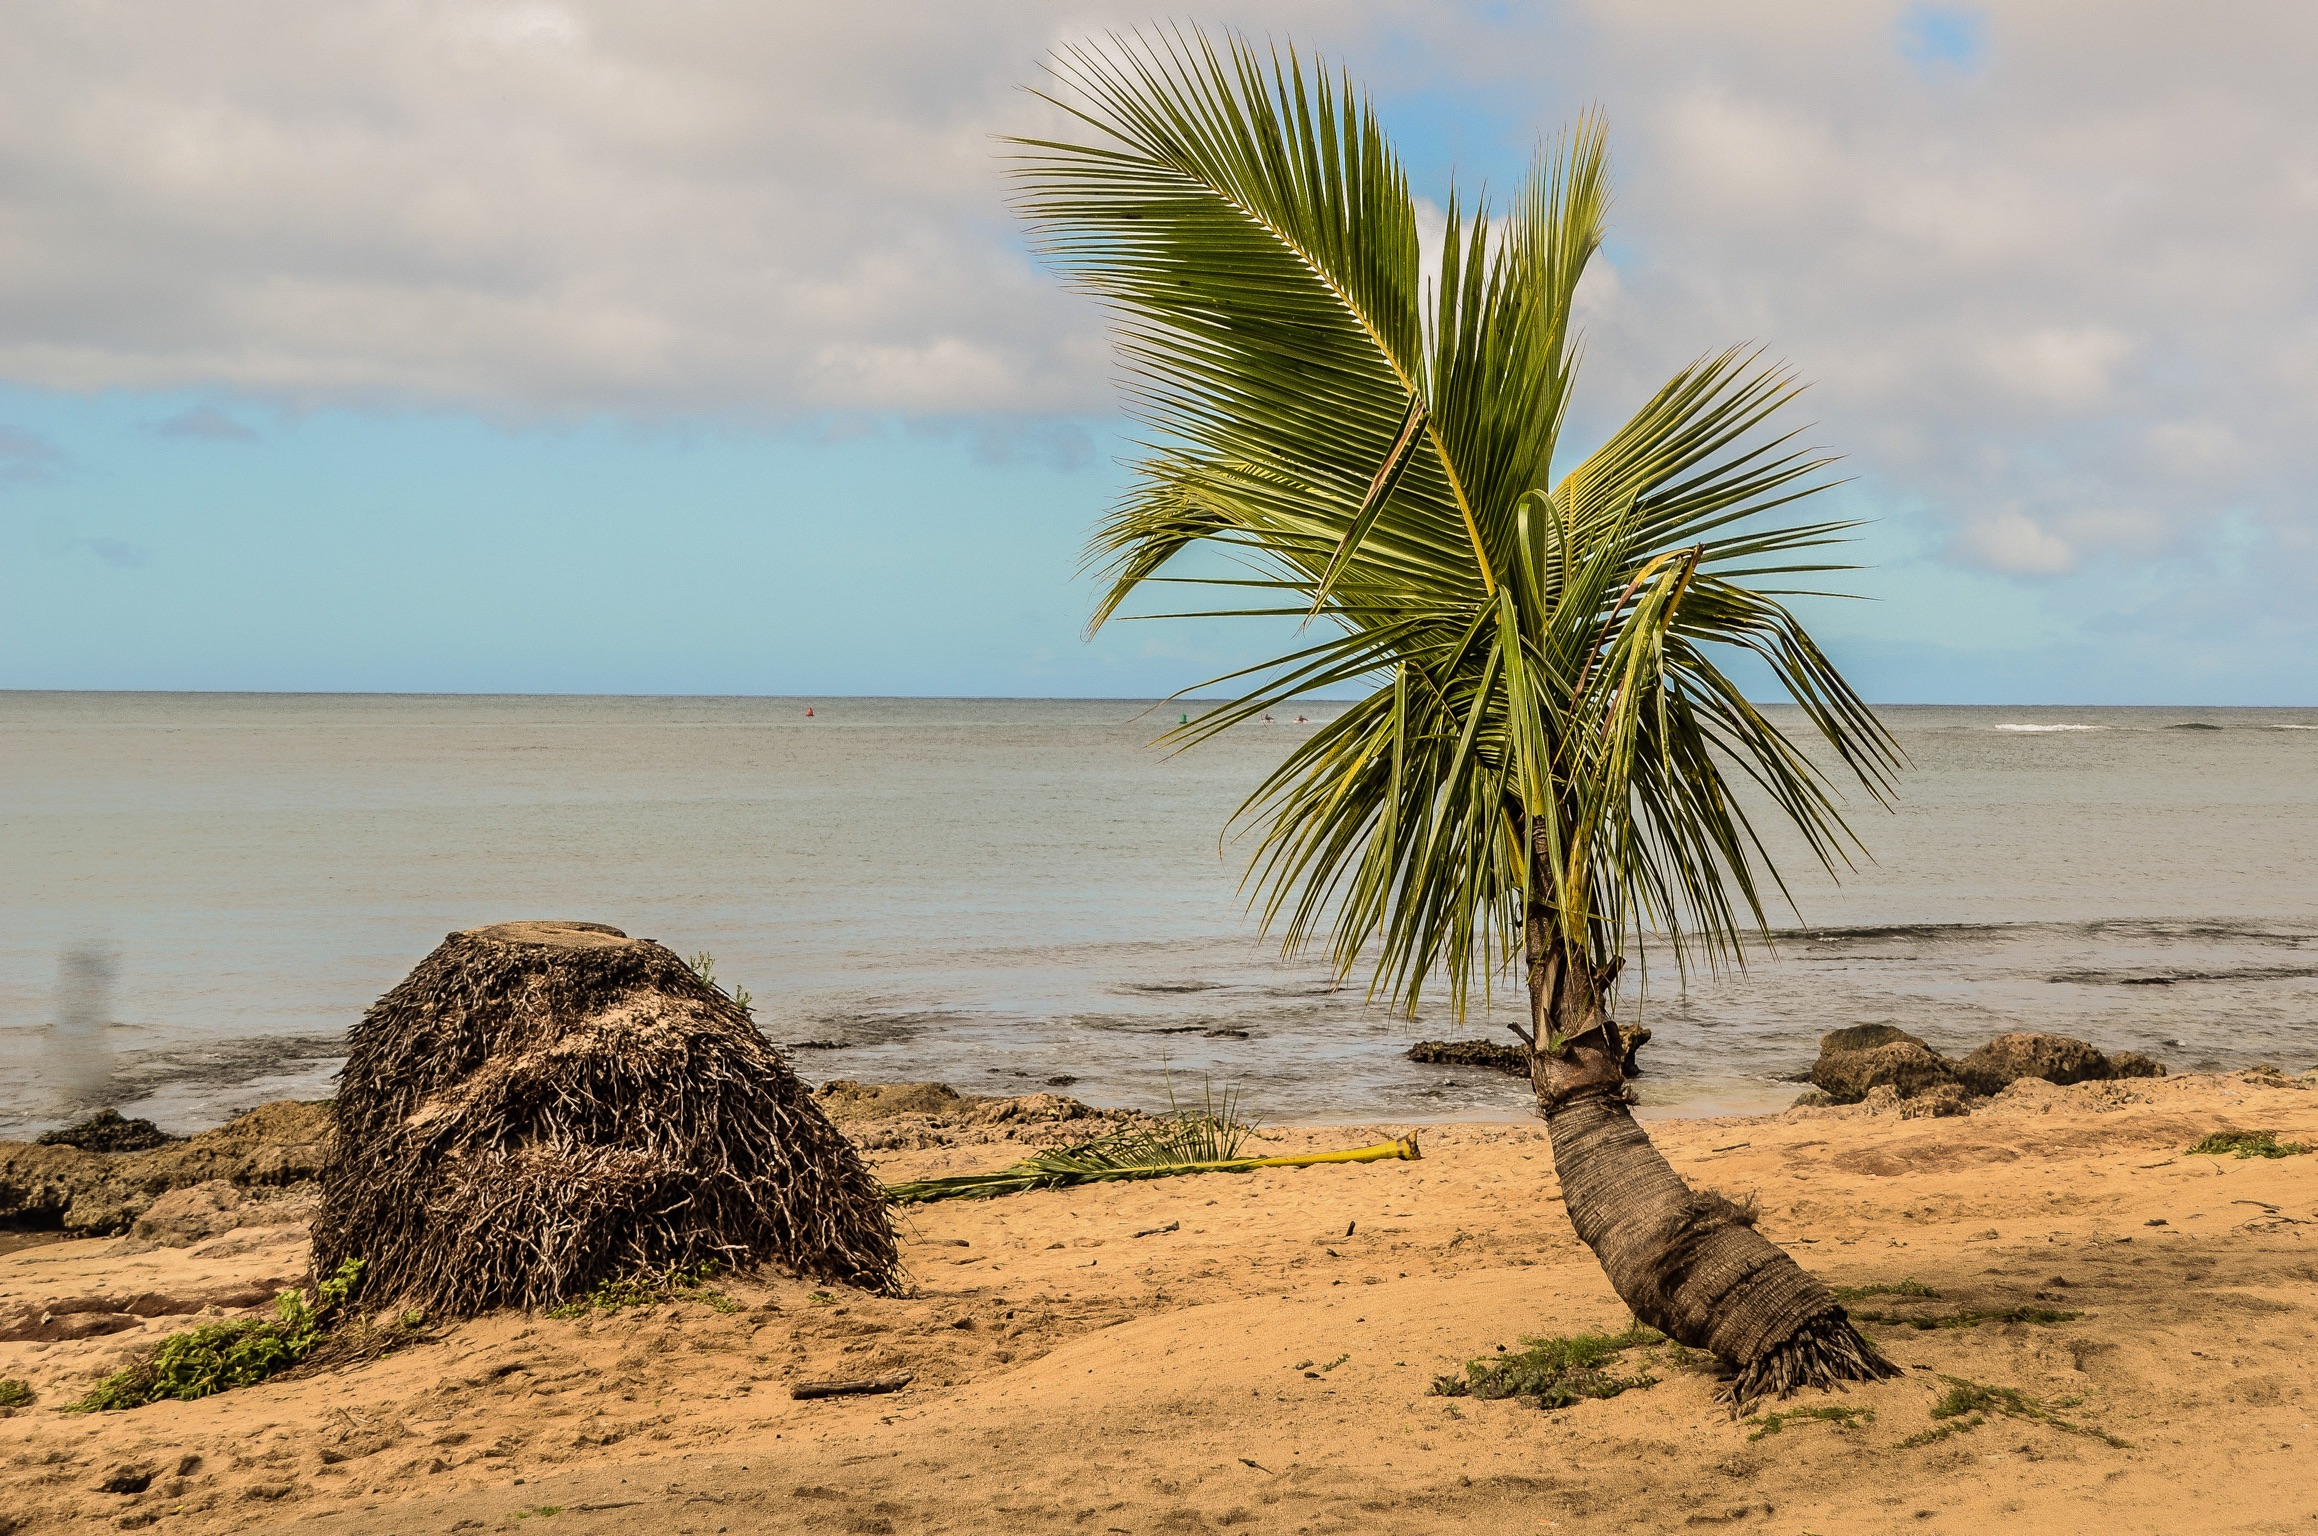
(1263, 1365)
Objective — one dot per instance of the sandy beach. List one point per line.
(1260, 1359)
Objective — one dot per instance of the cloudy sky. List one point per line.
(689, 346)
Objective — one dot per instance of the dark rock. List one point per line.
(1863, 1037)
(2134, 1064)
(2056, 1059)
(92, 1193)
(127, 1480)
(106, 1131)
(1905, 1065)
(1512, 1060)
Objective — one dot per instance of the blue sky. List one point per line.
(540, 347)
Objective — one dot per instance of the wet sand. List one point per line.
(1263, 1365)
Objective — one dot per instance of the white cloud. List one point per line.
(2057, 305)
(535, 208)
(2067, 367)
(2008, 541)
(2059, 269)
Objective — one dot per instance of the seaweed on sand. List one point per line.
(1830, 1413)
(218, 1356)
(651, 1290)
(1966, 1404)
(2244, 1144)
(1554, 1372)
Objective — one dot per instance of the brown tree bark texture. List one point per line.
(1688, 1262)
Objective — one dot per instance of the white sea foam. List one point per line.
(2041, 729)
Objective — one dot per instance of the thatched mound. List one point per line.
(541, 1106)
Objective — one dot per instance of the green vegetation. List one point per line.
(704, 966)
(1840, 1417)
(218, 1356)
(1180, 1141)
(1967, 1404)
(1542, 766)
(1902, 1288)
(2250, 1144)
(676, 1283)
(1554, 1372)
(14, 1393)
(1969, 1317)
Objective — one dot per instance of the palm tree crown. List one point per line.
(1546, 726)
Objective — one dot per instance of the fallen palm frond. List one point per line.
(1182, 1142)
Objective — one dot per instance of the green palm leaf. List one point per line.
(1545, 726)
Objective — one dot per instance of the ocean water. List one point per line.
(200, 893)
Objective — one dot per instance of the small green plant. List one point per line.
(704, 966)
(676, 1283)
(14, 1393)
(1913, 1288)
(1967, 1404)
(218, 1356)
(1840, 1417)
(1969, 1317)
(2244, 1144)
(1554, 1372)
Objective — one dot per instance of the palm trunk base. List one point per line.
(1688, 1262)
(1825, 1352)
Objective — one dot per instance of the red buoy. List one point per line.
(808, 711)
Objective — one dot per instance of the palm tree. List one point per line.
(1542, 769)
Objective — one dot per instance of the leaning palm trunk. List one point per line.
(1687, 1262)
(1540, 769)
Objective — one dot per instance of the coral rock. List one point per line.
(2055, 1059)
(1905, 1065)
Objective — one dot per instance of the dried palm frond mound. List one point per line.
(540, 1107)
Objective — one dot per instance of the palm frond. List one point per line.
(1204, 1140)
(1546, 721)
